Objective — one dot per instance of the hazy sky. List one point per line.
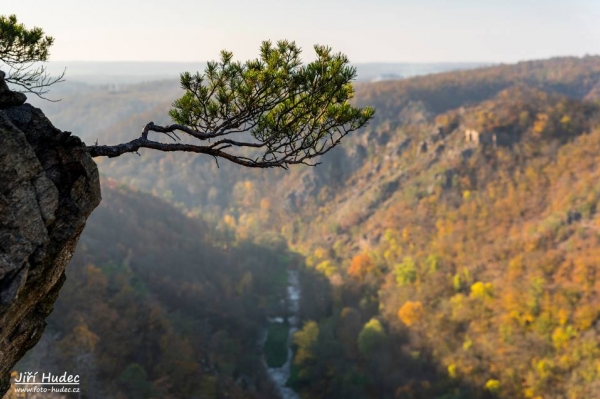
(367, 31)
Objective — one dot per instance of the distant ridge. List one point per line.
(135, 72)
(124, 72)
(374, 72)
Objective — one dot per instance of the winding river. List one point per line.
(280, 375)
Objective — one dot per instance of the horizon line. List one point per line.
(489, 62)
(202, 62)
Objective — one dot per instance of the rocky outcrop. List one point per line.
(49, 186)
(9, 98)
(336, 167)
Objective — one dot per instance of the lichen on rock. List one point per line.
(49, 185)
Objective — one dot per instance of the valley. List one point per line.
(449, 250)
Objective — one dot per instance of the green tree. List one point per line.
(405, 272)
(134, 380)
(273, 111)
(21, 51)
(371, 337)
(280, 111)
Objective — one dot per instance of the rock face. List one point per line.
(49, 185)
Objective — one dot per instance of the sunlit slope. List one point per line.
(485, 256)
(483, 251)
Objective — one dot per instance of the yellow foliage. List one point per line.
(327, 268)
(481, 290)
(411, 312)
(561, 336)
(405, 234)
(321, 253)
(515, 267)
(452, 371)
(492, 385)
(585, 316)
(305, 339)
(540, 123)
(444, 228)
(405, 272)
(563, 317)
(457, 282)
(544, 368)
(459, 309)
(389, 235)
(566, 361)
(527, 318)
(468, 344)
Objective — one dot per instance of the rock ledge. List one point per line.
(49, 185)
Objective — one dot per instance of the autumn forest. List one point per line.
(449, 250)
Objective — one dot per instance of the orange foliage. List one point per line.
(411, 312)
(361, 266)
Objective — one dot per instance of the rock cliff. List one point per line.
(49, 185)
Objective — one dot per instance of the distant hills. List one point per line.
(136, 72)
(375, 72)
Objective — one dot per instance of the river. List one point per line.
(280, 375)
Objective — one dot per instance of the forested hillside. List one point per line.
(457, 237)
(158, 305)
(481, 254)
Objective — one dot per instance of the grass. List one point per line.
(276, 345)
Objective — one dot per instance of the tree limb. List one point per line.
(289, 112)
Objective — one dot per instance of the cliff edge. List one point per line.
(49, 185)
